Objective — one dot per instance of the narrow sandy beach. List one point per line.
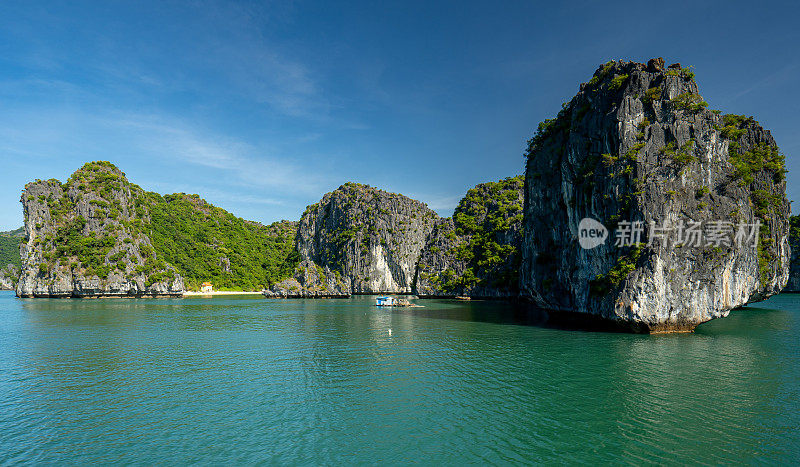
(217, 292)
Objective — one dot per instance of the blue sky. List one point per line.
(261, 107)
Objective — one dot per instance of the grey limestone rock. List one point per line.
(8, 277)
(638, 144)
(85, 238)
(368, 238)
(311, 280)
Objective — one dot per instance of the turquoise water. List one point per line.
(243, 380)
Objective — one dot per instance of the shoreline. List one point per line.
(217, 293)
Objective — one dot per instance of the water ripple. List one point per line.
(319, 382)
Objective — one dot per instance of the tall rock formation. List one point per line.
(364, 240)
(638, 144)
(477, 252)
(85, 238)
(794, 272)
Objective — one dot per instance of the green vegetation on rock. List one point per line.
(100, 223)
(689, 102)
(762, 158)
(487, 218)
(547, 129)
(684, 73)
(207, 243)
(9, 247)
(651, 95)
(89, 251)
(601, 75)
(626, 264)
(617, 82)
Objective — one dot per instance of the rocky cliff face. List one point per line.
(638, 144)
(311, 280)
(477, 252)
(86, 238)
(363, 240)
(794, 241)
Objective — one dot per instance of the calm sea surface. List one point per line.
(243, 380)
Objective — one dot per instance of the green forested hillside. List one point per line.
(19, 233)
(201, 241)
(478, 254)
(9, 247)
(207, 243)
(490, 216)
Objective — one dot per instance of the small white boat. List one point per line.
(392, 301)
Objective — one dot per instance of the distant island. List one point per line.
(100, 235)
(9, 258)
(636, 146)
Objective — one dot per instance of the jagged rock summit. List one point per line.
(358, 239)
(85, 238)
(638, 144)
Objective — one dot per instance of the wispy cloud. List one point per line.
(772, 79)
(212, 194)
(256, 167)
(252, 62)
(442, 204)
(222, 49)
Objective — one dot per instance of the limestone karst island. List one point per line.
(247, 233)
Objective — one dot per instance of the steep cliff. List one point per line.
(638, 144)
(794, 241)
(86, 237)
(477, 252)
(364, 240)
